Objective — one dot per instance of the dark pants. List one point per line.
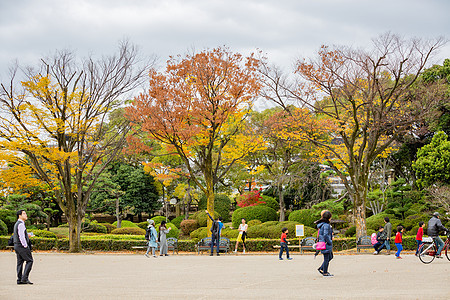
(284, 246)
(418, 246)
(215, 240)
(326, 261)
(23, 255)
(379, 246)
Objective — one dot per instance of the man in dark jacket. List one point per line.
(22, 246)
(434, 227)
(216, 230)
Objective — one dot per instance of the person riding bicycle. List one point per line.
(434, 227)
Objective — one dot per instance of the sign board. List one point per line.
(299, 230)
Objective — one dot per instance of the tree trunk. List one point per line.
(360, 211)
(74, 232)
(210, 200)
(282, 204)
(118, 214)
(189, 200)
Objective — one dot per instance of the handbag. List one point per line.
(319, 245)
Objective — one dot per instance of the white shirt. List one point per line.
(243, 228)
(21, 232)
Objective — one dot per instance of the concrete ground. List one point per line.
(133, 276)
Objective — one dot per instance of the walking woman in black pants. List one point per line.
(325, 235)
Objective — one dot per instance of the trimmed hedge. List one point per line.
(270, 202)
(272, 230)
(93, 227)
(259, 212)
(177, 221)
(203, 232)
(253, 222)
(187, 226)
(158, 219)
(3, 228)
(44, 234)
(305, 216)
(9, 217)
(125, 224)
(109, 227)
(129, 230)
(105, 244)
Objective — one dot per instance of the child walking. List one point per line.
(398, 241)
(419, 236)
(284, 243)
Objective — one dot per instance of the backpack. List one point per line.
(373, 238)
(147, 233)
(11, 240)
(215, 228)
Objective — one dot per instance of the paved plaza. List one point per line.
(132, 276)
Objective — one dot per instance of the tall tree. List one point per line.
(370, 98)
(197, 106)
(56, 119)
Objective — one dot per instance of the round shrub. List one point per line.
(202, 217)
(199, 233)
(336, 208)
(158, 219)
(187, 226)
(109, 227)
(64, 225)
(93, 227)
(230, 233)
(174, 231)
(126, 224)
(350, 232)
(304, 216)
(253, 223)
(143, 225)
(270, 202)
(177, 221)
(373, 222)
(129, 230)
(44, 234)
(3, 228)
(9, 217)
(259, 212)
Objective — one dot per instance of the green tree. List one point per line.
(433, 161)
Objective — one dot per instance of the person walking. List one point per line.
(434, 227)
(163, 231)
(419, 236)
(242, 235)
(398, 241)
(326, 235)
(284, 244)
(22, 247)
(216, 230)
(151, 236)
(388, 230)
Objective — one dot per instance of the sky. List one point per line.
(285, 30)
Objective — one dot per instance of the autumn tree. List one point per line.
(53, 124)
(370, 98)
(197, 106)
(287, 150)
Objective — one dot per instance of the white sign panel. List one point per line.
(299, 230)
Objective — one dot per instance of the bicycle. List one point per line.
(428, 249)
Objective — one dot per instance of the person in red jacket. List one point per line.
(398, 241)
(419, 236)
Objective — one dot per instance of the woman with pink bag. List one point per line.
(325, 243)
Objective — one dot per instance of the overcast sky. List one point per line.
(285, 30)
